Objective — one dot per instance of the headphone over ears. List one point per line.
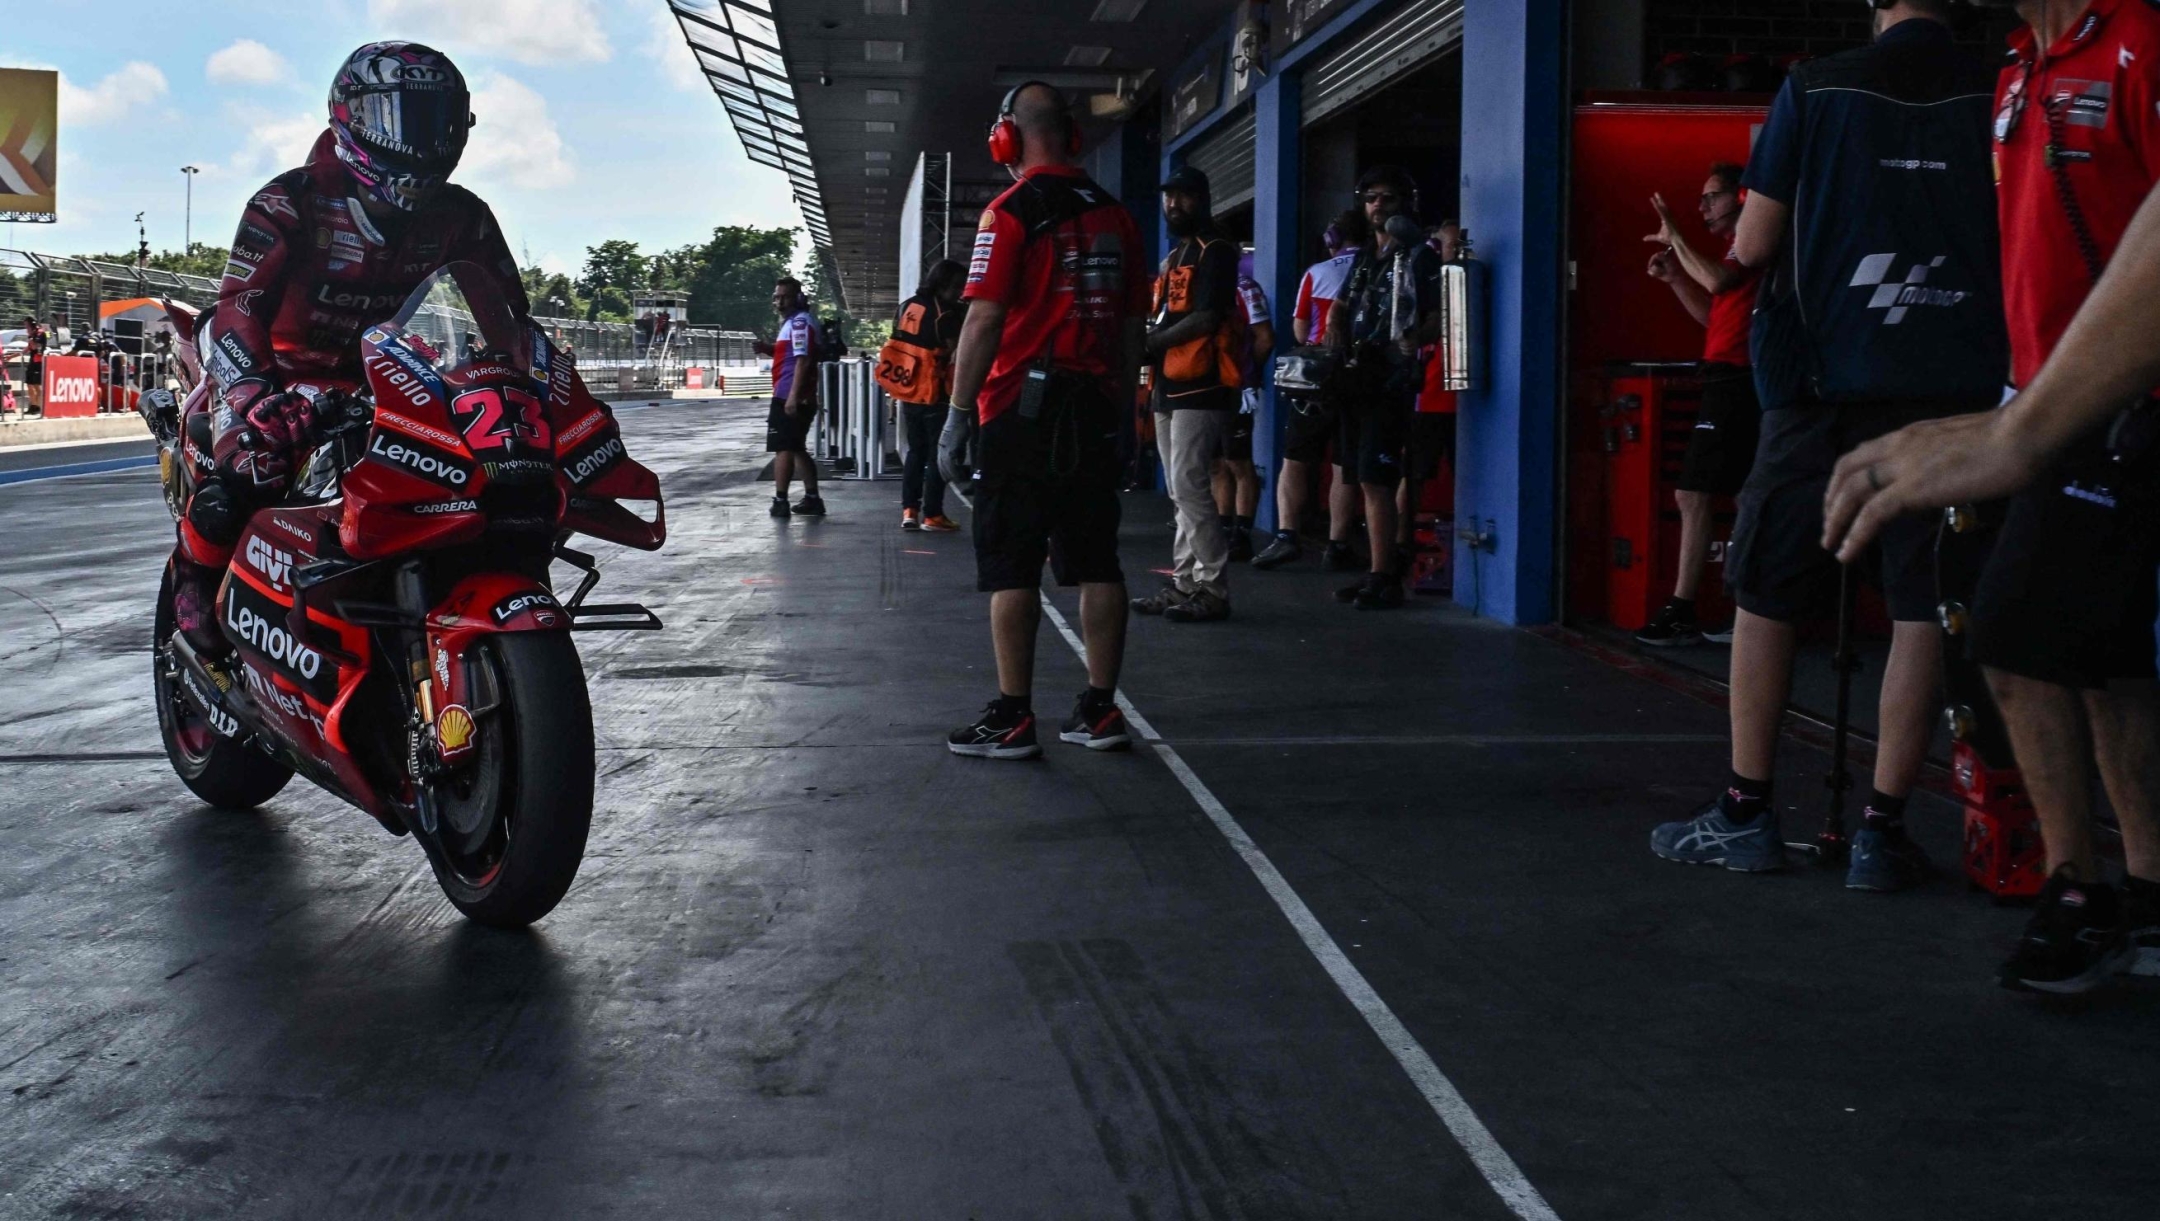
(1005, 142)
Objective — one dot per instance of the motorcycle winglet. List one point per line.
(616, 617)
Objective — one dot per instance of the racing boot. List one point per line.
(195, 609)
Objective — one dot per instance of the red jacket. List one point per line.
(309, 271)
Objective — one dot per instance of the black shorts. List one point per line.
(1776, 565)
(1026, 512)
(1721, 448)
(2068, 596)
(1312, 426)
(1237, 446)
(1432, 441)
(1375, 436)
(786, 433)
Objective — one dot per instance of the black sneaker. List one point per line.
(779, 507)
(2074, 940)
(1672, 628)
(1384, 593)
(1096, 726)
(2141, 925)
(999, 734)
(1200, 606)
(1159, 601)
(1283, 550)
(810, 506)
(1339, 557)
(1240, 546)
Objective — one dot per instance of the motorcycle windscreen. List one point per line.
(458, 318)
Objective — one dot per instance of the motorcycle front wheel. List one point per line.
(514, 820)
(222, 772)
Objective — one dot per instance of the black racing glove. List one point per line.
(953, 445)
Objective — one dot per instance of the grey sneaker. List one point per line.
(1885, 864)
(1201, 606)
(1710, 838)
(1159, 601)
(1283, 550)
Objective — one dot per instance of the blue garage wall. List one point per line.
(1276, 246)
(1514, 152)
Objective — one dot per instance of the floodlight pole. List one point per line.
(187, 240)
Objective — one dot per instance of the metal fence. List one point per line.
(69, 292)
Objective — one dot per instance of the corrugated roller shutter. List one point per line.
(1401, 42)
(1227, 156)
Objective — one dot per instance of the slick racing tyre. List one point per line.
(224, 773)
(513, 821)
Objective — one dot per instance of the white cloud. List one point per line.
(677, 63)
(274, 143)
(127, 87)
(541, 32)
(247, 62)
(515, 140)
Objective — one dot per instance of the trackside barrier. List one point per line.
(854, 420)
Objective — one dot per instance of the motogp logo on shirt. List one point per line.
(1899, 296)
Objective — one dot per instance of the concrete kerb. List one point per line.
(18, 432)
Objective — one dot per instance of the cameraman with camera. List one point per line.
(1390, 309)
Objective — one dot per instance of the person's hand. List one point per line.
(1668, 234)
(280, 423)
(1665, 267)
(793, 409)
(953, 443)
(1931, 465)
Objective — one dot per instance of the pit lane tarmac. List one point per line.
(816, 967)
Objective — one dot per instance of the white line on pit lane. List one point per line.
(1470, 1132)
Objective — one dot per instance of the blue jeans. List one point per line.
(922, 486)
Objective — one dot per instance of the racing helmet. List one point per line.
(400, 113)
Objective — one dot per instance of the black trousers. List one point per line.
(922, 486)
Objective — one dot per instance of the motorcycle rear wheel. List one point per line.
(222, 772)
(515, 820)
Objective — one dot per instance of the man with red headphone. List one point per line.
(1048, 359)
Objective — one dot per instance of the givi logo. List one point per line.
(71, 386)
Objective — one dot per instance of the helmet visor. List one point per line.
(412, 131)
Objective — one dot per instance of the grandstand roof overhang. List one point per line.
(843, 96)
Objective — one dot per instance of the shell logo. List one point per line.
(454, 729)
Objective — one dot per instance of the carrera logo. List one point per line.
(274, 565)
(511, 608)
(427, 463)
(594, 461)
(447, 506)
(1897, 297)
(426, 432)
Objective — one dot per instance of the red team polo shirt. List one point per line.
(1731, 316)
(1068, 292)
(2100, 82)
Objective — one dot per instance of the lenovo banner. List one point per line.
(71, 386)
(29, 138)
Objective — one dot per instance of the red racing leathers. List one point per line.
(309, 271)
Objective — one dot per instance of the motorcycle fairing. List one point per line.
(595, 470)
(418, 485)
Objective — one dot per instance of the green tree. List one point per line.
(730, 276)
(612, 264)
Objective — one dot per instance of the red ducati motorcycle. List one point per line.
(396, 637)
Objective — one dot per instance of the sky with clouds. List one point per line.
(593, 120)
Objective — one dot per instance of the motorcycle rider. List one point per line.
(323, 252)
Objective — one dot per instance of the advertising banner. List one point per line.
(1295, 20)
(71, 386)
(29, 136)
(693, 378)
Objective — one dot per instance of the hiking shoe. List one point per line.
(1710, 838)
(780, 507)
(1241, 546)
(1159, 601)
(2074, 940)
(1096, 726)
(1671, 628)
(910, 520)
(1885, 862)
(1284, 549)
(1000, 733)
(2141, 925)
(1384, 594)
(810, 506)
(1339, 557)
(938, 523)
(1200, 606)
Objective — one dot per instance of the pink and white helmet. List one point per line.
(400, 113)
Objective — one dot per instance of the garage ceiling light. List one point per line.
(876, 154)
(884, 8)
(881, 97)
(878, 127)
(1118, 10)
(1087, 57)
(883, 51)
